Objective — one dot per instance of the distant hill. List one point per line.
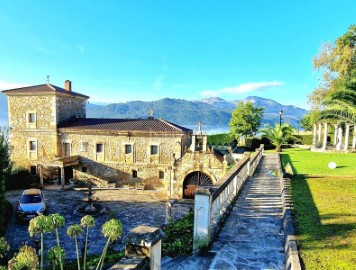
(3, 110)
(212, 112)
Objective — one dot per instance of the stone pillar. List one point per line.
(339, 139)
(202, 218)
(319, 132)
(314, 135)
(336, 126)
(144, 241)
(41, 175)
(205, 142)
(325, 139)
(347, 133)
(62, 177)
(354, 140)
(192, 146)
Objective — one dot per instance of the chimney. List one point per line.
(68, 85)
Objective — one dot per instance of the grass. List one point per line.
(324, 208)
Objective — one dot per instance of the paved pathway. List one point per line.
(131, 207)
(252, 236)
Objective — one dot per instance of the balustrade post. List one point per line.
(354, 139)
(347, 133)
(325, 139)
(202, 218)
(336, 127)
(314, 135)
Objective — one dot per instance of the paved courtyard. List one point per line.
(131, 207)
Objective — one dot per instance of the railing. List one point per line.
(213, 203)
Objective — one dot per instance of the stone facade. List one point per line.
(153, 157)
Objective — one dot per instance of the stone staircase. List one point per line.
(252, 236)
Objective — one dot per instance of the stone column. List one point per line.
(339, 139)
(354, 140)
(325, 139)
(202, 218)
(336, 126)
(205, 142)
(192, 146)
(144, 241)
(319, 133)
(62, 177)
(314, 135)
(347, 133)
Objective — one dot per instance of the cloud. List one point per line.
(243, 88)
(10, 85)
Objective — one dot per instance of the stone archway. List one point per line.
(192, 181)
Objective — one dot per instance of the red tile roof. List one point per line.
(122, 125)
(42, 89)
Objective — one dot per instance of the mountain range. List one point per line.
(212, 112)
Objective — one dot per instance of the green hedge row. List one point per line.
(220, 139)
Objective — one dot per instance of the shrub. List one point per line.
(179, 237)
(220, 139)
(21, 179)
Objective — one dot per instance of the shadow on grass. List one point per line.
(307, 220)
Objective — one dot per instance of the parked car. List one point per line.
(31, 204)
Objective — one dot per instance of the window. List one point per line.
(83, 146)
(84, 169)
(32, 145)
(128, 148)
(134, 174)
(161, 175)
(31, 118)
(99, 148)
(154, 150)
(66, 148)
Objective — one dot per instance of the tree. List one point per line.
(5, 168)
(87, 222)
(245, 120)
(73, 231)
(335, 96)
(278, 135)
(305, 122)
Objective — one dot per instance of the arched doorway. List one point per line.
(192, 181)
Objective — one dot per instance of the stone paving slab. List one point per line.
(131, 207)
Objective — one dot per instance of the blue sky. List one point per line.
(116, 51)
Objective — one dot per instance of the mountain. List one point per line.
(3, 110)
(212, 112)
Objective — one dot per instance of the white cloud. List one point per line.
(243, 88)
(10, 85)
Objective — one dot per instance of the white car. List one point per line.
(30, 205)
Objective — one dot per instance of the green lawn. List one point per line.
(324, 208)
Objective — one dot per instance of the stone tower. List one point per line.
(34, 115)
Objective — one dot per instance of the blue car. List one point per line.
(31, 204)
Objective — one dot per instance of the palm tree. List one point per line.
(112, 230)
(278, 135)
(57, 222)
(340, 105)
(73, 231)
(40, 225)
(86, 221)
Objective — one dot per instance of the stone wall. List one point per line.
(20, 106)
(67, 107)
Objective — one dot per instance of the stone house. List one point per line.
(49, 133)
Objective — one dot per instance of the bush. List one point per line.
(21, 179)
(303, 139)
(220, 139)
(179, 237)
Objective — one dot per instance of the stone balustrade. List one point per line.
(212, 203)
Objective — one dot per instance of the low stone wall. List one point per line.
(292, 261)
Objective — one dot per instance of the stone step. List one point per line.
(168, 263)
